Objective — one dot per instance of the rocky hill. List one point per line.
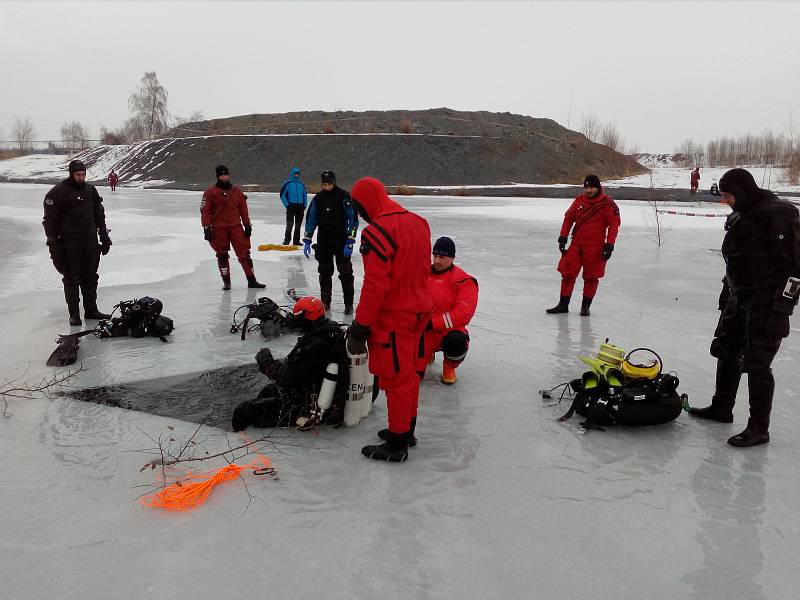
(429, 147)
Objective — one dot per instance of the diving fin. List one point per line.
(67, 351)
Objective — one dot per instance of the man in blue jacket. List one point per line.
(294, 198)
(333, 213)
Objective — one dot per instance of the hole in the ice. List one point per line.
(208, 397)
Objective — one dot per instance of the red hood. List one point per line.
(371, 195)
(598, 198)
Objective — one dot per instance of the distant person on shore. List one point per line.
(74, 217)
(113, 179)
(294, 198)
(694, 180)
(332, 215)
(760, 289)
(595, 217)
(226, 222)
(714, 189)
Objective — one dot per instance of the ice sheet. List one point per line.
(498, 500)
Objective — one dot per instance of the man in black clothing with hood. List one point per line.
(760, 290)
(332, 212)
(73, 219)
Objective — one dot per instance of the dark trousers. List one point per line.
(741, 346)
(78, 264)
(294, 218)
(329, 249)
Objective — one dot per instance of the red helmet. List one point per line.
(309, 307)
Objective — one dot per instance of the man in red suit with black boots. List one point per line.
(455, 298)
(393, 309)
(226, 221)
(595, 217)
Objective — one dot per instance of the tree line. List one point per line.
(149, 118)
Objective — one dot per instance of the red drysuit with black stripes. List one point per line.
(594, 222)
(394, 301)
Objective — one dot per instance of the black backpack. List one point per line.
(638, 403)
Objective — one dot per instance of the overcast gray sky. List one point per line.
(662, 71)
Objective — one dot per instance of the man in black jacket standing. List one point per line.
(332, 213)
(760, 290)
(73, 218)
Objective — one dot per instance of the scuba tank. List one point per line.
(354, 407)
(367, 400)
(327, 388)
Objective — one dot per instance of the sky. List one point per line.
(662, 72)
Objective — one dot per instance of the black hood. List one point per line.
(741, 184)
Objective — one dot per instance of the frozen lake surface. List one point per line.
(498, 500)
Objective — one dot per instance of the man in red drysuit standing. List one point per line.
(393, 308)
(455, 297)
(113, 179)
(223, 213)
(595, 217)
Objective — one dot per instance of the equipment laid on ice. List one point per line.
(272, 319)
(280, 247)
(139, 317)
(618, 390)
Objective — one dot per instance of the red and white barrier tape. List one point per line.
(691, 214)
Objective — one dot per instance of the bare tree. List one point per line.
(22, 133)
(112, 138)
(74, 137)
(609, 136)
(590, 126)
(654, 217)
(148, 106)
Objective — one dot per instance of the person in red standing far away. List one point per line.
(113, 179)
(594, 220)
(694, 180)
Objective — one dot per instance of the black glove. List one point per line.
(777, 325)
(562, 243)
(56, 255)
(607, 250)
(248, 230)
(105, 243)
(357, 335)
(208, 234)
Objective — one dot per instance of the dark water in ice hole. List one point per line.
(208, 397)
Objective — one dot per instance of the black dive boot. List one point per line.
(412, 440)
(713, 412)
(587, 302)
(561, 307)
(226, 282)
(252, 283)
(348, 309)
(74, 315)
(751, 436)
(92, 312)
(394, 449)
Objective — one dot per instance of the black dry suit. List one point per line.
(333, 215)
(73, 217)
(761, 251)
(297, 380)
